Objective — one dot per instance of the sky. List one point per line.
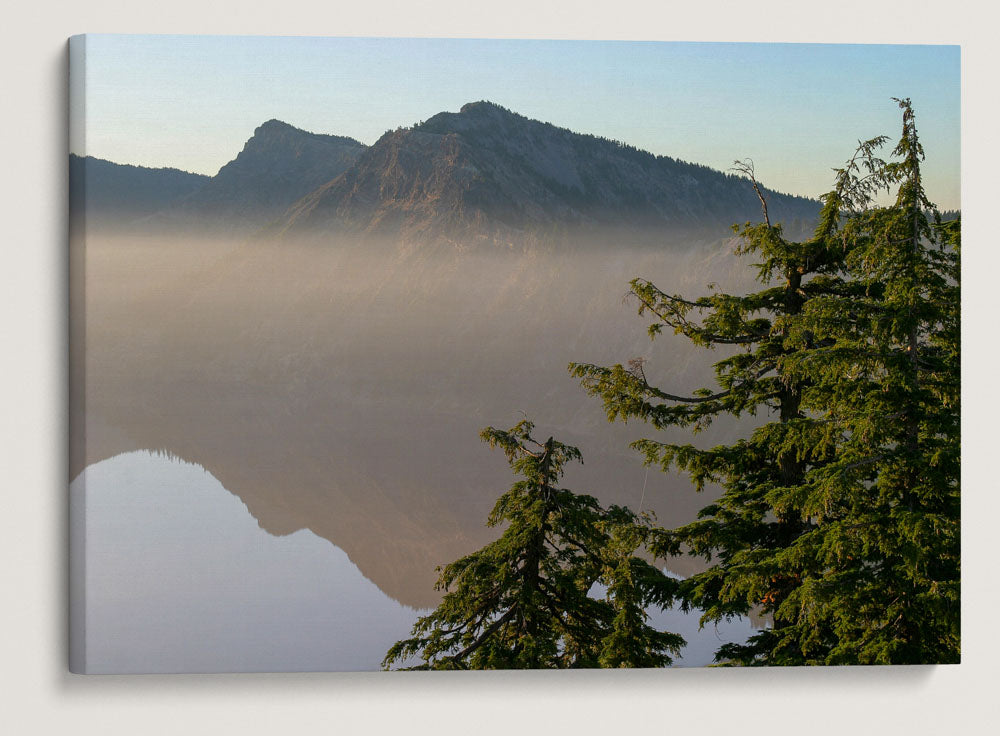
(796, 110)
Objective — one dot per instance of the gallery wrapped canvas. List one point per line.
(362, 373)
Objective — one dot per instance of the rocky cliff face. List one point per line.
(488, 171)
(277, 166)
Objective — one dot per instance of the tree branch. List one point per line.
(697, 399)
(689, 328)
(457, 658)
(746, 168)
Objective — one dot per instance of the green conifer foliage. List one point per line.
(522, 601)
(742, 533)
(839, 517)
(886, 385)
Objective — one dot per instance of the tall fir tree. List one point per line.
(524, 600)
(742, 533)
(886, 385)
(838, 519)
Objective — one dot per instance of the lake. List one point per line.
(181, 577)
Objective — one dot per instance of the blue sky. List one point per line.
(797, 110)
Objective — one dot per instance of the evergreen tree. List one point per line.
(743, 532)
(838, 519)
(886, 386)
(522, 601)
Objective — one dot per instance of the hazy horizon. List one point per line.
(342, 388)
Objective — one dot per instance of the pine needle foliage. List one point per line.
(839, 518)
(523, 600)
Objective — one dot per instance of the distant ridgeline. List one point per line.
(117, 192)
(482, 173)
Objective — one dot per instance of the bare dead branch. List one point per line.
(746, 168)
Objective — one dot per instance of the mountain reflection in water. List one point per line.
(340, 386)
(180, 577)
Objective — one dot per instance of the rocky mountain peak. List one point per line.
(486, 110)
(278, 164)
(476, 119)
(278, 139)
(275, 126)
(486, 170)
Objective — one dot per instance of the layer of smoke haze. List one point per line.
(339, 385)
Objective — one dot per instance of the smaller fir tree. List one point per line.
(524, 600)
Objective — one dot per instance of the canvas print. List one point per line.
(499, 354)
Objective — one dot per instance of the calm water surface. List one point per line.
(180, 577)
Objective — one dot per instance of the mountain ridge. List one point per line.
(113, 190)
(484, 173)
(278, 165)
(488, 170)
